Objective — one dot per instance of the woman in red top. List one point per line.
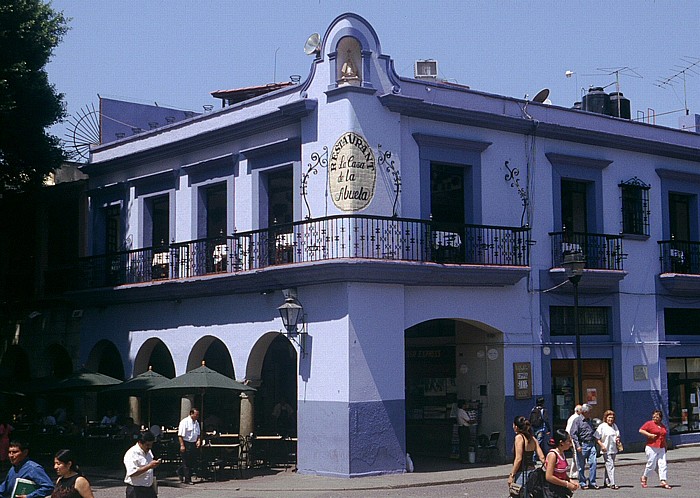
(557, 483)
(655, 432)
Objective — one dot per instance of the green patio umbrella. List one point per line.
(83, 380)
(200, 381)
(139, 386)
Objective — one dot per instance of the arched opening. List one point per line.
(105, 359)
(154, 354)
(276, 399)
(448, 360)
(15, 365)
(143, 409)
(220, 409)
(59, 360)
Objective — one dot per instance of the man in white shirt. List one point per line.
(188, 433)
(464, 421)
(139, 464)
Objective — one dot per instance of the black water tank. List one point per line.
(596, 100)
(624, 105)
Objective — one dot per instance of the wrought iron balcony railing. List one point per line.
(333, 237)
(601, 251)
(678, 256)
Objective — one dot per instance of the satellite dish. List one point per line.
(541, 95)
(313, 44)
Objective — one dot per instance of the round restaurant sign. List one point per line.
(352, 175)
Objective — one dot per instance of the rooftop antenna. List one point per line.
(692, 66)
(626, 71)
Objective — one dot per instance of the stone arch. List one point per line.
(106, 359)
(15, 364)
(154, 354)
(214, 353)
(272, 368)
(59, 361)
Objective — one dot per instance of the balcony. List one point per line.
(355, 237)
(603, 255)
(680, 266)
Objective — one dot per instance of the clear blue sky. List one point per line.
(175, 52)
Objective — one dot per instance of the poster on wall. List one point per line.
(522, 379)
(592, 396)
(352, 173)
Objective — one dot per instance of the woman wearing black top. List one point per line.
(70, 483)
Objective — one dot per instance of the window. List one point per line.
(113, 220)
(447, 193)
(157, 221)
(683, 376)
(679, 216)
(280, 188)
(215, 199)
(574, 209)
(682, 321)
(593, 320)
(635, 207)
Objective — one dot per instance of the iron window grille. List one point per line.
(634, 194)
(593, 320)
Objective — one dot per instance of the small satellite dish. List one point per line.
(313, 44)
(541, 96)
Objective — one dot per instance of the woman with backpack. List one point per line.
(524, 447)
(557, 483)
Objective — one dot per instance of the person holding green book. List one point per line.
(26, 475)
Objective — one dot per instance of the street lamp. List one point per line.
(292, 314)
(574, 263)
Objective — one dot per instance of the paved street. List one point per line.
(473, 482)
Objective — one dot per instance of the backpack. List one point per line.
(535, 484)
(536, 420)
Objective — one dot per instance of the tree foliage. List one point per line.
(29, 104)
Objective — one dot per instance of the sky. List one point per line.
(175, 52)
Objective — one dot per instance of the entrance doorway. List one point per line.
(596, 388)
(449, 360)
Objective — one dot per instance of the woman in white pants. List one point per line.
(655, 432)
(608, 436)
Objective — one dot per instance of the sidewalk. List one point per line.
(281, 480)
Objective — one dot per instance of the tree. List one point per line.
(29, 104)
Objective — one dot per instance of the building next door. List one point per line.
(596, 388)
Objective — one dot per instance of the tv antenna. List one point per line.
(83, 131)
(691, 67)
(617, 71)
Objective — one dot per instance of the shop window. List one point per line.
(592, 320)
(635, 207)
(683, 394)
(682, 321)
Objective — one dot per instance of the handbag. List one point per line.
(514, 490)
(620, 448)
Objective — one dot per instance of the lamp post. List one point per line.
(574, 263)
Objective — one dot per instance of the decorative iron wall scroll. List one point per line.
(512, 177)
(317, 160)
(384, 160)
